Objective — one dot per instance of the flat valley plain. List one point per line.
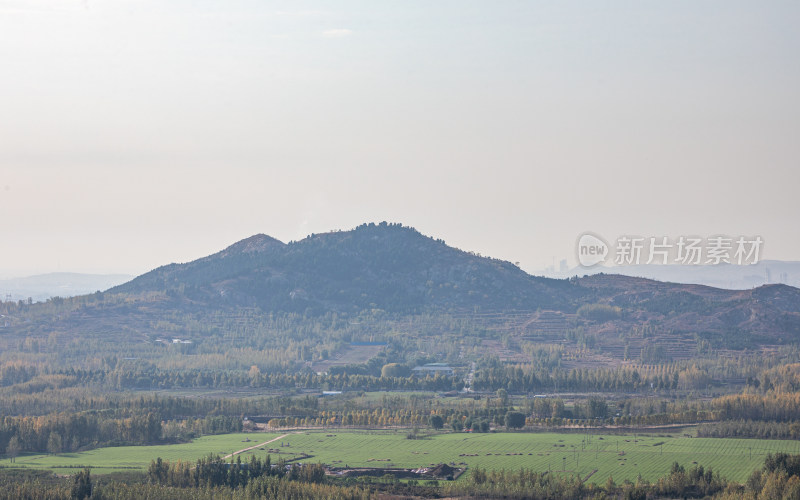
(591, 456)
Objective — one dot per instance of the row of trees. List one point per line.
(71, 432)
(528, 378)
(697, 482)
(212, 471)
(65, 432)
(750, 429)
(148, 377)
(81, 486)
(774, 406)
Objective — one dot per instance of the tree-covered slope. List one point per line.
(384, 266)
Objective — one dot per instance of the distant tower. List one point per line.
(768, 276)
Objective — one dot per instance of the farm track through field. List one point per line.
(590, 475)
(230, 455)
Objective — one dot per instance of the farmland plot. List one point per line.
(620, 456)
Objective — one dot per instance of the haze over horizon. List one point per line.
(136, 134)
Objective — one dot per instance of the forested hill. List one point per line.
(383, 266)
(396, 270)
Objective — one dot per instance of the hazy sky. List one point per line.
(134, 133)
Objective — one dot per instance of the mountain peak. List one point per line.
(254, 244)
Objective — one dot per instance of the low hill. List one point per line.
(767, 315)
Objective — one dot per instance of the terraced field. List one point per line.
(623, 457)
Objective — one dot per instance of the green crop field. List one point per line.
(621, 456)
(138, 457)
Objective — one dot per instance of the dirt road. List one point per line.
(255, 446)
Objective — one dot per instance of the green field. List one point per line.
(613, 455)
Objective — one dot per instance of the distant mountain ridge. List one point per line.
(44, 286)
(731, 276)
